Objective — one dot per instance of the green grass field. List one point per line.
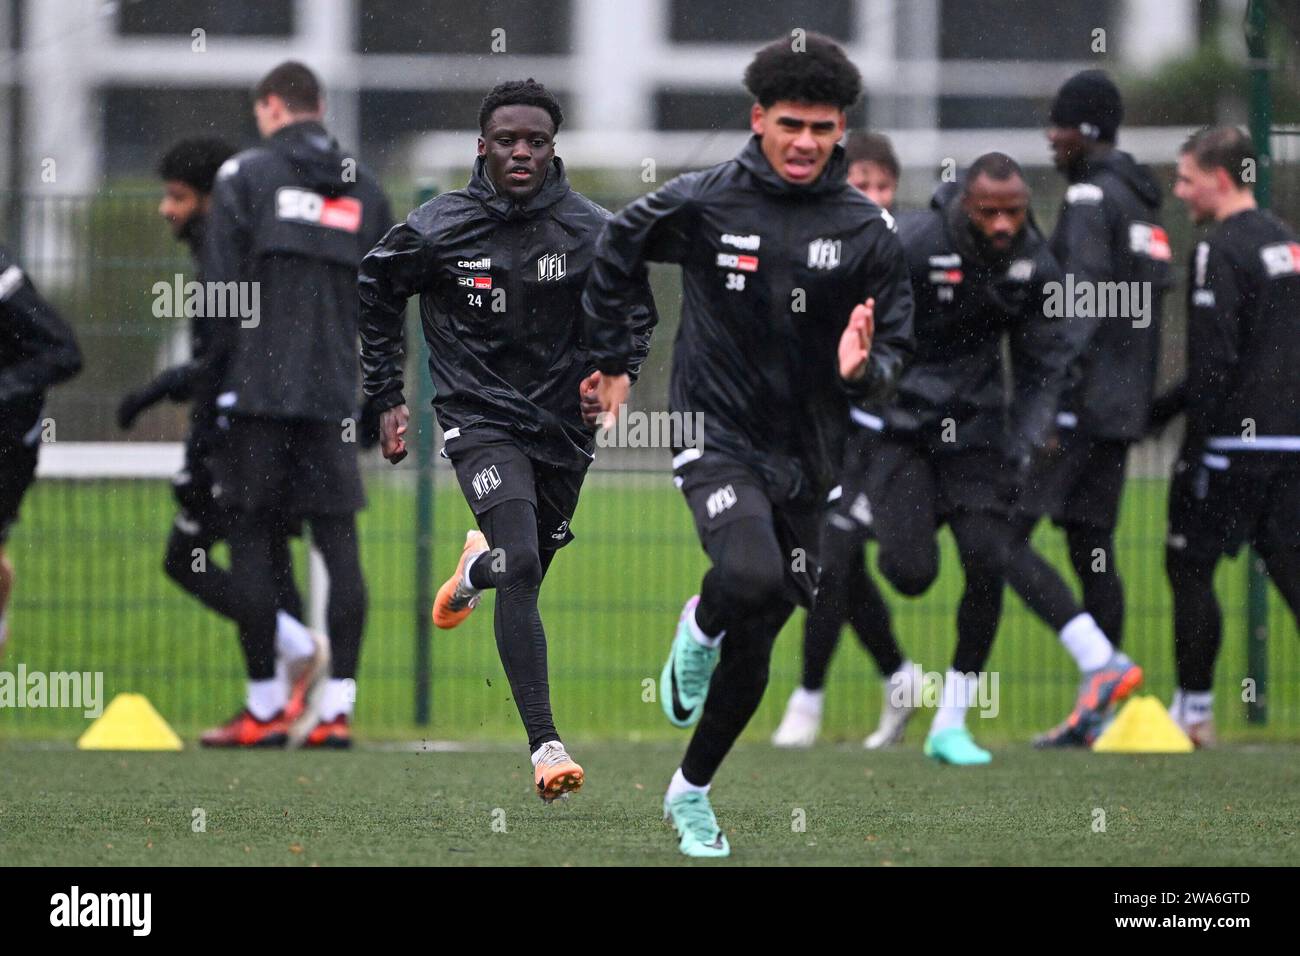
(1236, 806)
(91, 596)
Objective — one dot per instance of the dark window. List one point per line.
(729, 22)
(140, 123)
(1023, 29)
(991, 112)
(229, 18)
(389, 118)
(454, 26)
(680, 109)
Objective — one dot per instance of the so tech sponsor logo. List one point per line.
(303, 205)
(1281, 259)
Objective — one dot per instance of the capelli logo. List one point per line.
(77, 909)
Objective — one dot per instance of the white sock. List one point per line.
(266, 698)
(808, 701)
(958, 692)
(337, 698)
(679, 785)
(1086, 643)
(1193, 706)
(699, 635)
(469, 564)
(291, 637)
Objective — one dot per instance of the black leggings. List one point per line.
(254, 541)
(515, 567)
(744, 593)
(214, 586)
(1198, 620)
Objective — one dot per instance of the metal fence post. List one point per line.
(1261, 131)
(423, 422)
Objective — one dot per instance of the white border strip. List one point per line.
(110, 459)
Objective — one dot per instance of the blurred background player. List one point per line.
(873, 166)
(948, 448)
(187, 171)
(290, 221)
(37, 351)
(1237, 479)
(772, 381)
(873, 170)
(499, 267)
(1108, 231)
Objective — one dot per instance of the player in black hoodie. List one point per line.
(188, 170)
(1237, 479)
(37, 351)
(290, 222)
(795, 302)
(499, 267)
(1108, 236)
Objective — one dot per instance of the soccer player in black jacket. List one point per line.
(37, 351)
(188, 170)
(1237, 479)
(796, 300)
(289, 223)
(1108, 236)
(499, 267)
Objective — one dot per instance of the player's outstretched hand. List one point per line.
(855, 343)
(589, 400)
(611, 393)
(129, 410)
(392, 428)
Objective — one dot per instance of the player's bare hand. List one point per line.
(611, 393)
(392, 431)
(855, 343)
(588, 400)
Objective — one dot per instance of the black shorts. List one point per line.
(17, 470)
(1079, 485)
(720, 490)
(491, 468)
(885, 474)
(1222, 502)
(295, 467)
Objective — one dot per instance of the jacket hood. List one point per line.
(832, 178)
(315, 155)
(554, 188)
(1122, 164)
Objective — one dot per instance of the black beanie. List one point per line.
(1089, 101)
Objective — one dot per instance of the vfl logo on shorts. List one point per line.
(720, 501)
(486, 481)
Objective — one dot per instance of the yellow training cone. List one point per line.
(129, 723)
(1143, 726)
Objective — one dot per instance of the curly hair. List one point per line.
(520, 93)
(815, 71)
(195, 161)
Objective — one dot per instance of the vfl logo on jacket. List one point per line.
(303, 205)
(551, 267)
(824, 253)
